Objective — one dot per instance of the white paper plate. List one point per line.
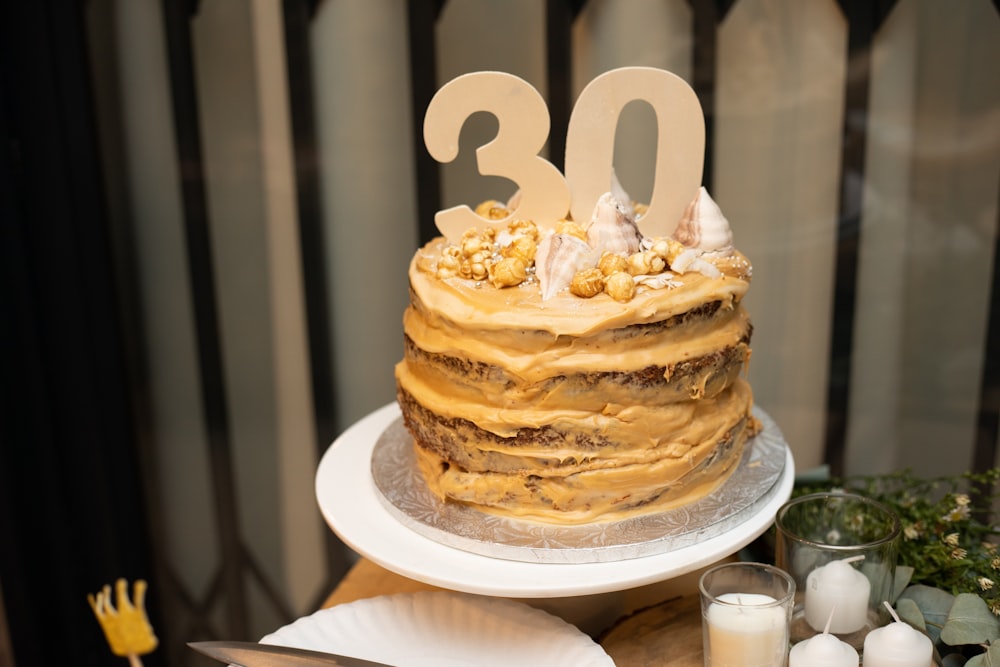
(352, 507)
(443, 629)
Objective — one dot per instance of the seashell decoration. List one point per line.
(611, 229)
(514, 201)
(691, 260)
(618, 192)
(557, 260)
(659, 281)
(703, 226)
(610, 243)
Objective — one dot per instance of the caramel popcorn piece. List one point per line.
(620, 286)
(523, 248)
(475, 244)
(587, 283)
(612, 263)
(508, 272)
(523, 228)
(492, 210)
(476, 266)
(668, 249)
(450, 263)
(571, 228)
(646, 262)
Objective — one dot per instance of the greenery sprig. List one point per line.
(948, 577)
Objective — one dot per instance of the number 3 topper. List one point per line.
(523, 127)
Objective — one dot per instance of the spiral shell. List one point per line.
(558, 258)
(703, 226)
(612, 229)
(618, 192)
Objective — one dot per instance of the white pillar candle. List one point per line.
(823, 650)
(897, 645)
(744, 630)
(839, 589)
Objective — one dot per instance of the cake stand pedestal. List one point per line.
(354, 509)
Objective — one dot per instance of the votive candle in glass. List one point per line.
(841, 549)
(746, 608)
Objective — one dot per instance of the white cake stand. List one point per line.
(356, 512)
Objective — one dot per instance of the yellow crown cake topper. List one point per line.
(126, 627)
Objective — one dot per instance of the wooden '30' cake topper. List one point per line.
(546, 196)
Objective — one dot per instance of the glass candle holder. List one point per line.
(746, 609)
(841, 550)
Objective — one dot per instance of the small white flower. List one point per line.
(985, 583)
(951, 539)
(957, 513)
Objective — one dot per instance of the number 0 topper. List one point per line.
(680, 143)
(523, 126)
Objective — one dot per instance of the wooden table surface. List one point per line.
(649, 626)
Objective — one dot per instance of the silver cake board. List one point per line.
(748, 490)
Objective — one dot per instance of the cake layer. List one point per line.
(653, 385)
(521, 316)
(603, 494)
(535, 355)
(578, 441)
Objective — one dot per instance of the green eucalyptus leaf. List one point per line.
(908, 611)
(970, 622)
(953, 660)
(934, 604)
(903, 575)
(988, 659)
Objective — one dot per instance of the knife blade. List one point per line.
(252, 654)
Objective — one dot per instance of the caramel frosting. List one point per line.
(602, 494)
(473, 305)
(535, 355)
(529, 397)
(576, 441)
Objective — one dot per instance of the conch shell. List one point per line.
(704, 227)
(618, 192)
(612, 229)
(558, 258)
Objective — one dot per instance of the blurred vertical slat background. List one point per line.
(260, 184)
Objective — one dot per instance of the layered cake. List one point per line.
(581, 371)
